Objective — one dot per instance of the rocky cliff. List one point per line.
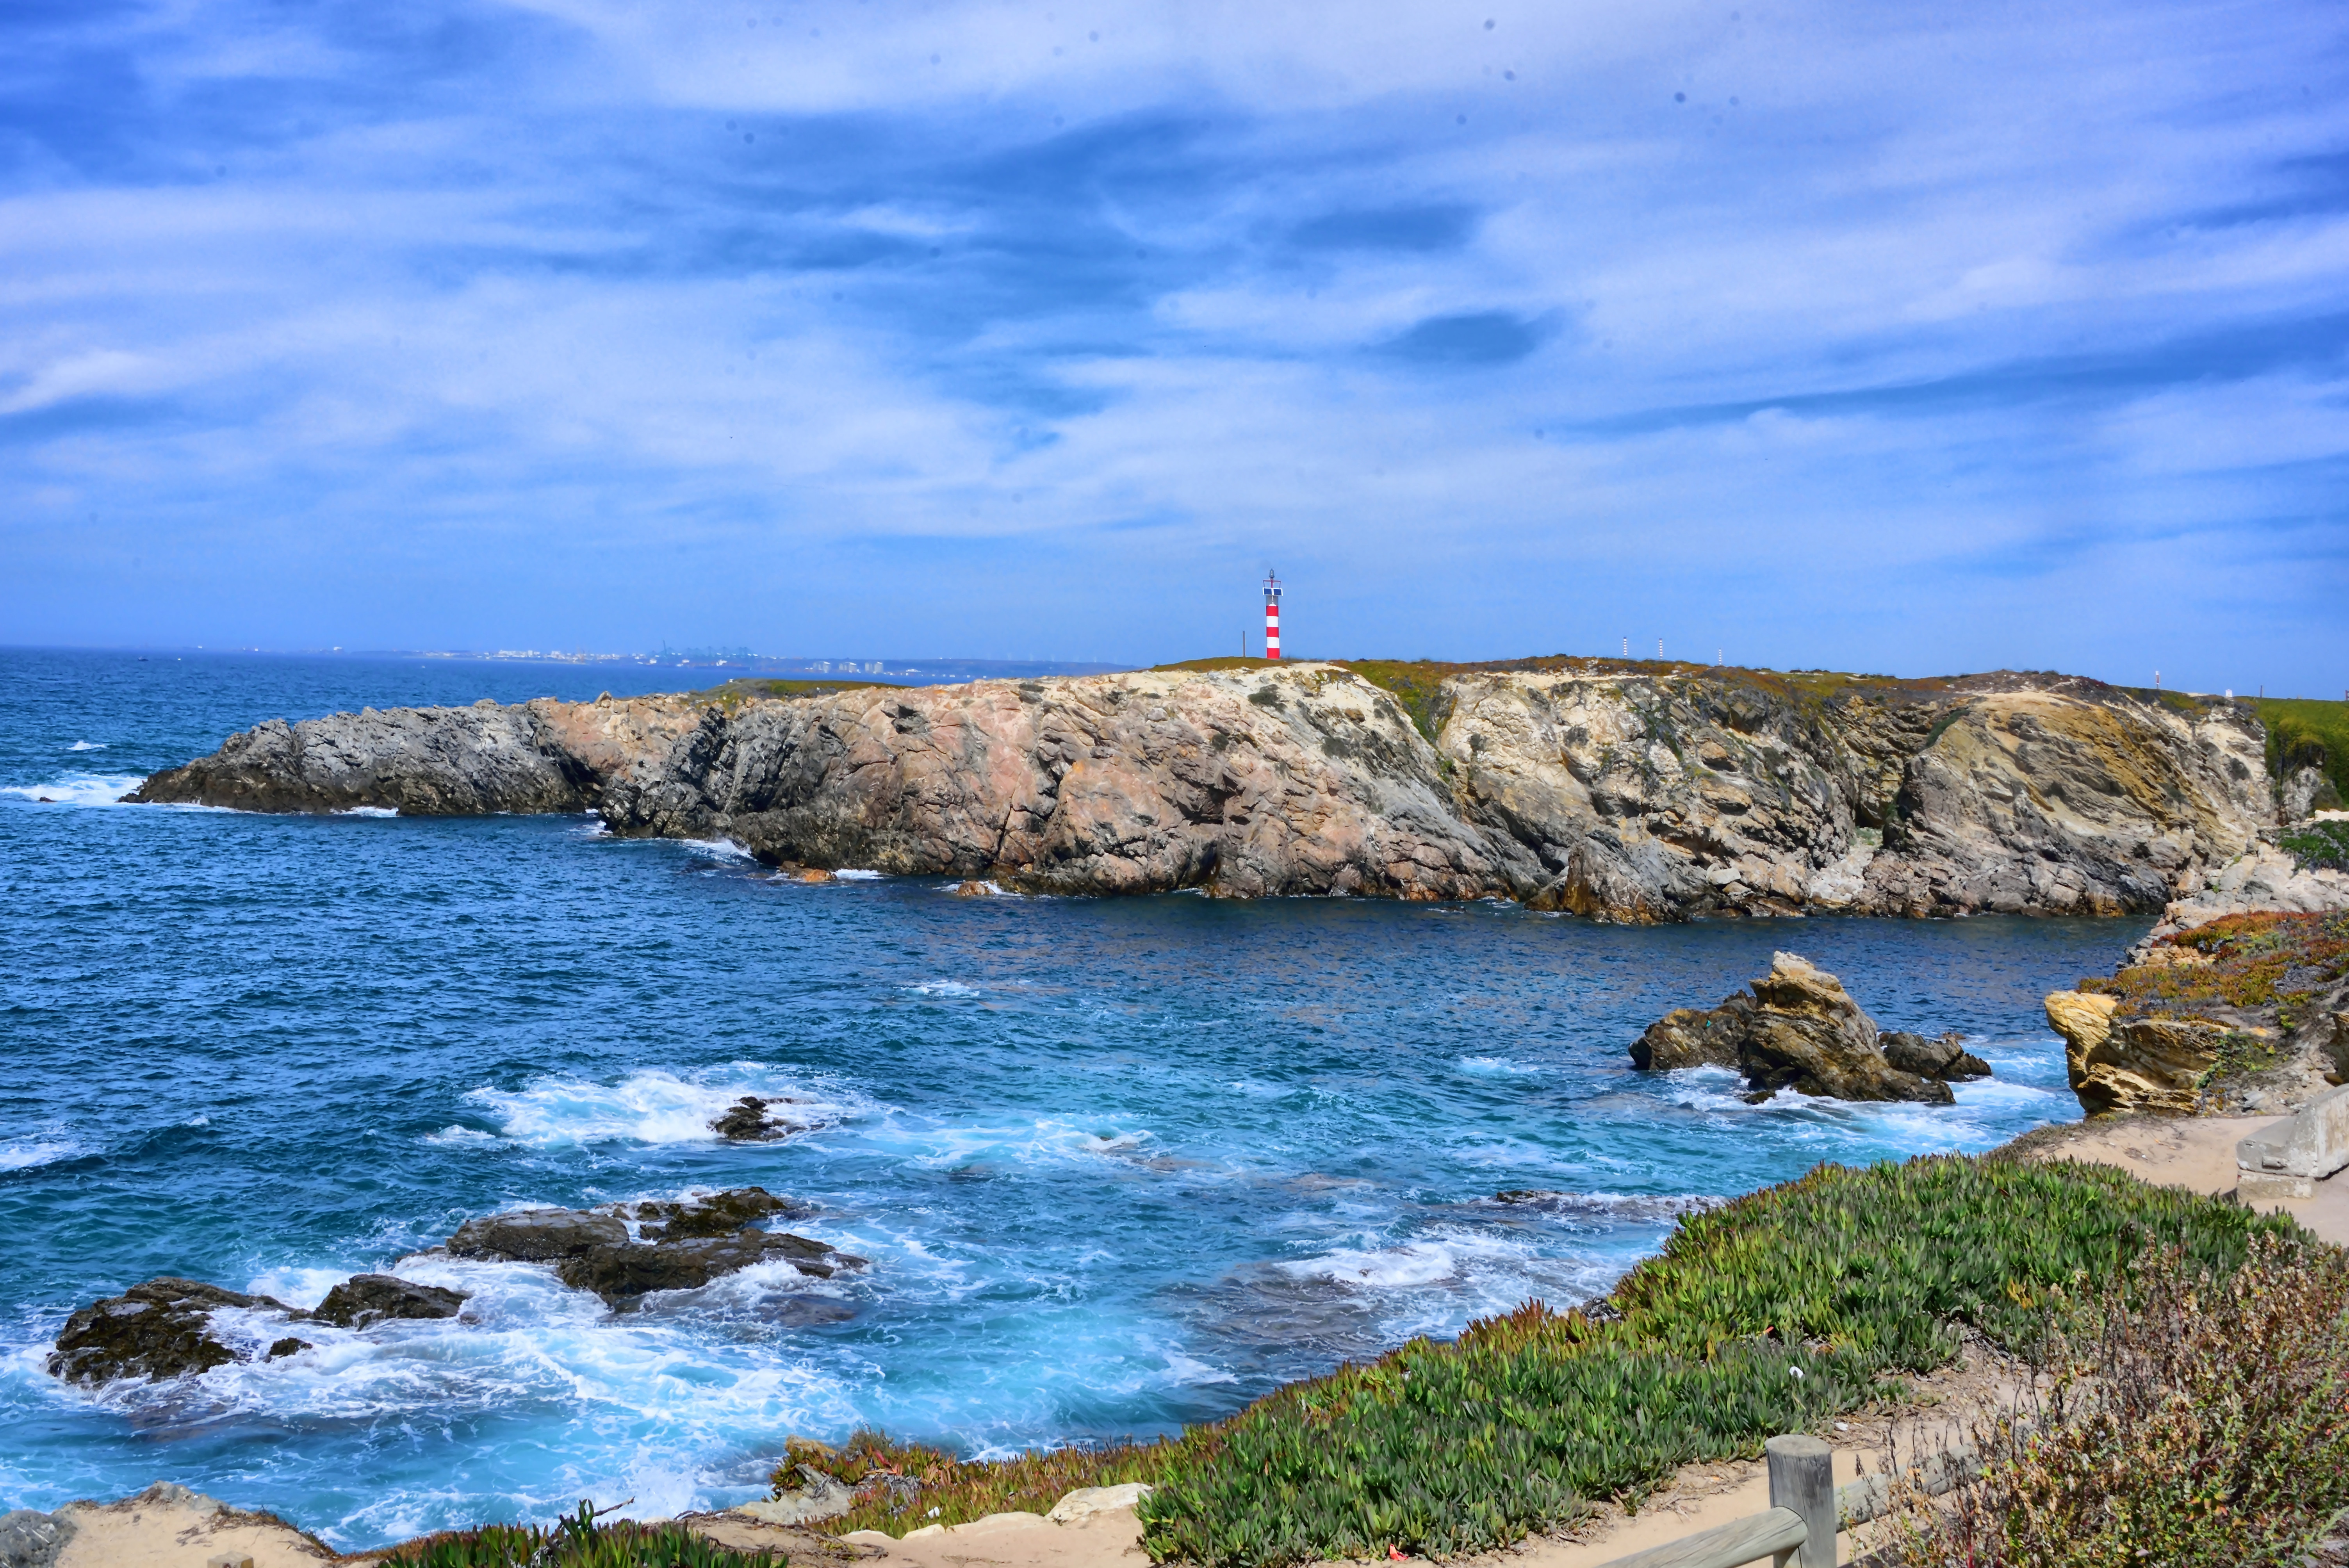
(1629, 792)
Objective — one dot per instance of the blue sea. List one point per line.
(1119, 1164)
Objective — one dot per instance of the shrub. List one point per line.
(578, 1541)
(2186, 1419)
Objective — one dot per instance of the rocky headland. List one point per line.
(1622, 792)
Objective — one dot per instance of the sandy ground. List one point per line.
(2195, 1152)
(167, 1527)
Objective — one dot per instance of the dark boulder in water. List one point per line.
(679, 1245)
(1695, 1037)
(718, 1214)
(159, 1329)
(747, 1121)
(1946, 1058)
(372, 1297)
(537, 1236)
(624, 1274)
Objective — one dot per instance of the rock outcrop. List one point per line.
(676, 1246)
(754, 1120)
(156, 1330)
(1799, 1029)
(164, 1328)
(1625, 792)
(2243, 1013)
(2159, 1065)
(372, 1298)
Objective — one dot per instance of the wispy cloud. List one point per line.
(1827, 335)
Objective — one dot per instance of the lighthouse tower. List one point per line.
(1271, 616)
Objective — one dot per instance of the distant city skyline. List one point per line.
(1868, 339)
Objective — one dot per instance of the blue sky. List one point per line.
(1906, 338)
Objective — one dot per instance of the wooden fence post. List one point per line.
(1801, 1480)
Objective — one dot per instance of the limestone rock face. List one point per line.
(1623, 793)
(2147, 1064)
(1806, 1034)
(1799, 1029)
(2264, 878)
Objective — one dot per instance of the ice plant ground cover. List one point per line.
(1770, 1315)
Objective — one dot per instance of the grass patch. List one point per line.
(578, 1541)
(2255, 962)
(2305, 733)
(1770, 1315)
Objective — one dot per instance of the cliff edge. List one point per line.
(1624, 791)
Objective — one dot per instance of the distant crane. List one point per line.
(1271, 615)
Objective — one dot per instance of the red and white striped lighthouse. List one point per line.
(1271, 616)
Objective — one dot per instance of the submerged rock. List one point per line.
(747, 1121)
(373, 1297)
(537, 1236)
(623, 1274)
(156, 1330)
(718, 1214)
(679, 1245)
(1799, 1029)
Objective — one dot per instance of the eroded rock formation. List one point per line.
(1798, 1028)
(1623, 792)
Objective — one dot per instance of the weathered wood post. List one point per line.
(1801, 1480)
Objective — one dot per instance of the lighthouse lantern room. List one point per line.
(1271, 616)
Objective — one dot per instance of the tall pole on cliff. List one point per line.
(1271, 616)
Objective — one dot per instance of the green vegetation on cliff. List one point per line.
(2238, 963)
(1773, 1313)
(2305, 733)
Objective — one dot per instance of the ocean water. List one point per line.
(1119, 1164)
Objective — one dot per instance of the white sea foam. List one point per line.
(717, 848)
(368, 811)
(460, 1137)
(1405, 1267)
(25, 1153)
(79, 789)
(859, 876)
(942, 988)
(86, 746)
(651, 1107)
(1497, 1066)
